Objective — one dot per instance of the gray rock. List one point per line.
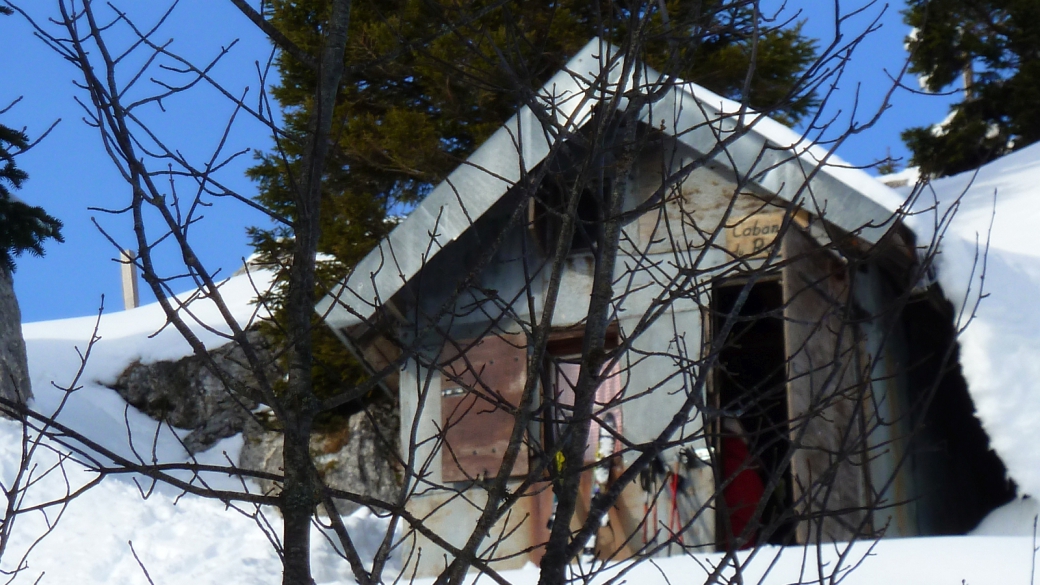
(187, 395)
(357, 457)
(14, 368)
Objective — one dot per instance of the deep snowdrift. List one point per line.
(187, 540)
(989, 247)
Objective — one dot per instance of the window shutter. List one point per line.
(478, 389)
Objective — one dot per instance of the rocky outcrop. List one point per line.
(187, 395)
(14, 368)
(354, 454)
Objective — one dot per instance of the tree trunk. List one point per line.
(297, 503)
(300, 492)
(14, 370)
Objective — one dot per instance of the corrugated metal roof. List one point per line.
(775, 157)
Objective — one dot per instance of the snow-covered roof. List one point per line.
(776, 158)
(995, 208)
(907, 177)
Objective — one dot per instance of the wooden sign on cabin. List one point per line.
(753, 235)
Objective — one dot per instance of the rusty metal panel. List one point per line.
(478, 390)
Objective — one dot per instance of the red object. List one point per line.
(744, 491)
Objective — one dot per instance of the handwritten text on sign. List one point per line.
(753, 235)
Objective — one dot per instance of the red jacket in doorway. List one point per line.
(744, 491)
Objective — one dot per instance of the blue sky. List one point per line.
(69, 171)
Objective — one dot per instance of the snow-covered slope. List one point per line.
(187, 540)
(125, 337)
(990, 247)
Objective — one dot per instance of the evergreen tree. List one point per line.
(425, 87)
(992, 48)
(23, 227)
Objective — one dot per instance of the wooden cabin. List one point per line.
(770, 285)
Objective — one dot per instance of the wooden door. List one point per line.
(824, 395)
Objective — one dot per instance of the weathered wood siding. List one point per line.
(824, 395)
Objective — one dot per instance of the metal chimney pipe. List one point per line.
(129, 274)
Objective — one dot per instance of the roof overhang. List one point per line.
(768, 153)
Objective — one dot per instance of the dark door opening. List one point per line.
(750, 387)
(959, 478)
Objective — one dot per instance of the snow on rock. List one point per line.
(186, 540)
(125, 337)
(990, 246)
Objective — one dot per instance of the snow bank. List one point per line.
(53, 349)
(996, 207)
(186, 540)
(1016, 518)
(912, 561)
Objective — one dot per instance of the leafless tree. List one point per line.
(662, 358)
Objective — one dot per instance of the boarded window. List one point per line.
(479, 391)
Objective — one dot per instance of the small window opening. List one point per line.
(562, 366)
(550, 208)
(753, 436)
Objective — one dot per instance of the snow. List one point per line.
(918, 561)
(186, 539)
(907, 177)
(196, 541)
(125, 337)
(988, 250)
(806, 149)
(1016, 518)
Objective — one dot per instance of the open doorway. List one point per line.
(750, 390)
(959, 479)
(602, 456)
